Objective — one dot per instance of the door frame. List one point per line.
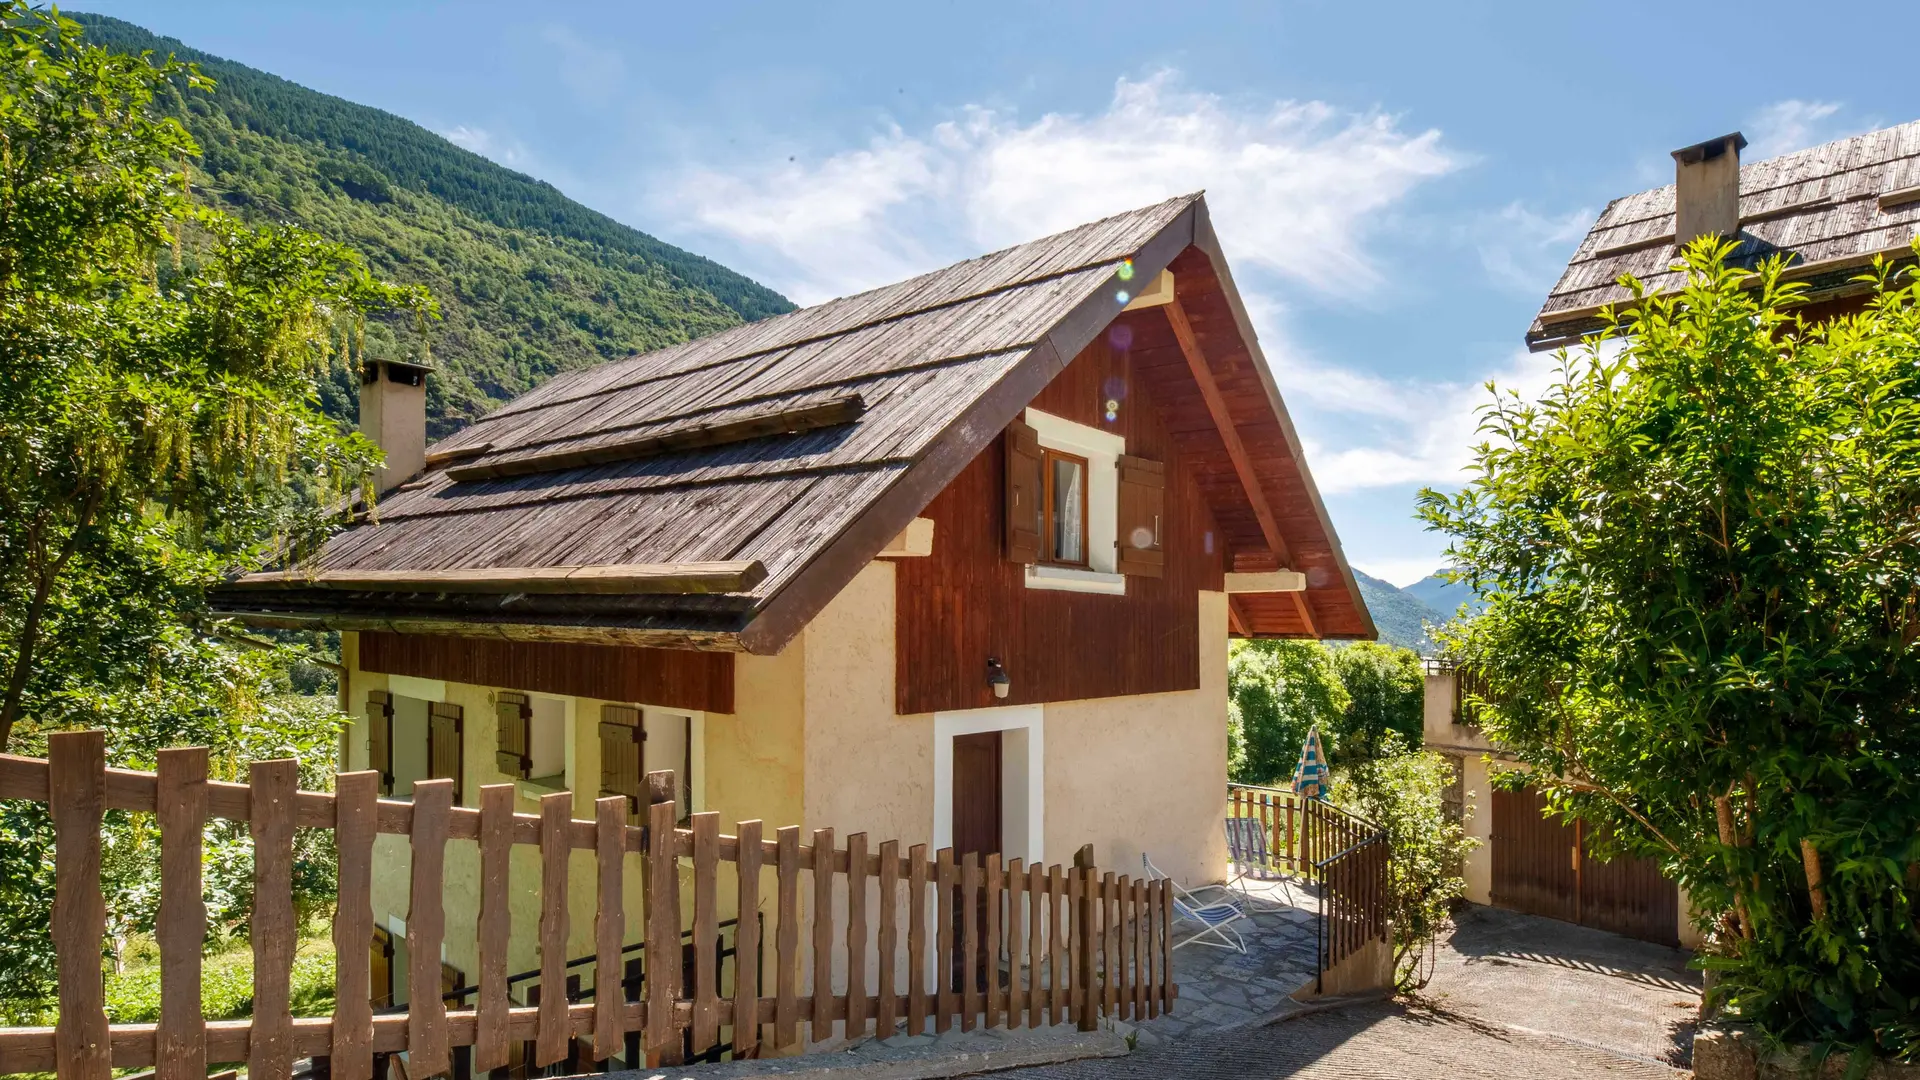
(1023, 775)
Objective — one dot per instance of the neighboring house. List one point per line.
(1831, 209)
(951, 562)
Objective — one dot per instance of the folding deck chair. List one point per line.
(1214, 921)
(1247, 848)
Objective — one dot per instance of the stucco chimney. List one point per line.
(393, 413)
(1706, 180)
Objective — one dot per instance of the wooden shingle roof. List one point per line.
(938, 364)
(1823, 205)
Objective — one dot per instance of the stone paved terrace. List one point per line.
(1221, 989)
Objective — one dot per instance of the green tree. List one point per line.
(1386, 695)
(1276, 692)
(158, 418)
(1701, 556)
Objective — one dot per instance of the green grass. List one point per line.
(226, 983)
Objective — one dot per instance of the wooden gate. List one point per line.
(1541, 867)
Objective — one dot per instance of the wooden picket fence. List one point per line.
(1010, 944)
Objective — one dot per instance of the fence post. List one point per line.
(356, 801)
(1086, 877)
(77, 798)
(663, 920)
(270, 810)
(180, 926)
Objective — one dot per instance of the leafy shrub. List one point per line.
(1400, 792)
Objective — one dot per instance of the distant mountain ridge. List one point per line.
(1400, 616)
(530, 283)
(1442, 595)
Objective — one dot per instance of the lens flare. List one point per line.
(1122, 296)
(1120, 336)
(1126, 270)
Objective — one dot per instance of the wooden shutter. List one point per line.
(623, 756)
(1143, 513)
(443, 744)
(1024, 493)
(380, 737)
(513, 742)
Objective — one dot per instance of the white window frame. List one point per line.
(1023, 776)
(1103, 450)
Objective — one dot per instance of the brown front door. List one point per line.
(1541, 867)
(976, 794)
(976, 830)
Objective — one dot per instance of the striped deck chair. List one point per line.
(1213, 922)
(1247, 848)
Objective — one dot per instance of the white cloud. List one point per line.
(1524, 250)
(1435, 445)
(1295, 187)
(1786, 126)
(508, 152)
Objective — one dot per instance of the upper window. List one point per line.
(1066, 508)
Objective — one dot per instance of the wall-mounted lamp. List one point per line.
(997, 677)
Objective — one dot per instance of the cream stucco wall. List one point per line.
(1147, 773)
(867, 769)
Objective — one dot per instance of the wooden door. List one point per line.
(1532, 858)
(1541, 867)
(976, 794)
(976, 830)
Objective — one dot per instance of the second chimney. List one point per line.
(393, 414)
(1706, 197)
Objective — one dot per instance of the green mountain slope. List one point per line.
(1398, 615)
(1444, 596)
(530, 283)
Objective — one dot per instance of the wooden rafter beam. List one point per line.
(1235, 623)
(1236, 450)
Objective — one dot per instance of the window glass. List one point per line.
(409, 745)
(547, 740)
(1066, 507)
(670, 746)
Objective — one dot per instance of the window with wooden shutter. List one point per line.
(443, 744)
(623, 756)
(1143, 511)
(1026, 496)
(380, 737)
(513, 742)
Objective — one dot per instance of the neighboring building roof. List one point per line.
(1831, 207)
(939, 363)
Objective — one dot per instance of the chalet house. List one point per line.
(954, 561)
(1831, 209)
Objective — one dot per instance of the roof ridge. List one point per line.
(1173, 205)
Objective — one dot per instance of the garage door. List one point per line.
(1540, 868)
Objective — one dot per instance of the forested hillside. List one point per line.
(1400, 616)
(529, 282)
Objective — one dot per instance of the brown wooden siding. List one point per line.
(967, 602)
(676, 678)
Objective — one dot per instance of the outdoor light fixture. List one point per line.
(997, 677)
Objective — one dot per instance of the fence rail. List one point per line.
(1347, 857)
(1010, 943)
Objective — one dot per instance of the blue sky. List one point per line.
(1397, 185)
